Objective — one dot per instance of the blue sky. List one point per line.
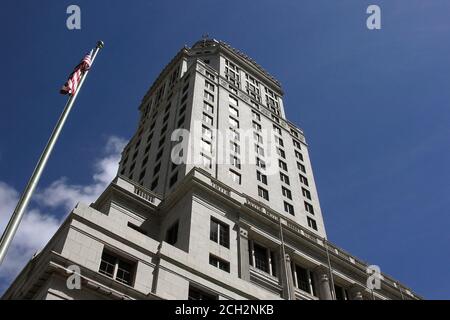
(375, 107)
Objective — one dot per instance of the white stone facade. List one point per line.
(203, 234)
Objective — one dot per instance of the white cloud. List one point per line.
(61, 193)
(37, 227)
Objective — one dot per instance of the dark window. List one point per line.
(154, 184)
(309, 208)
(172, 234)
(157, 168)
(219, 263)
(159, 154)
(261, 177)
(288, 208)
(306, 193)
(301, 167)
(282, 165)
(303, 180)
(107, 264)
(219, 232)
(302, 279)
(263, 193)
(144, 161)
(312, 223)
(197, 294)
(137, 228)
(284, 178)
(142, 175)
(286, 192)
(117, 268)
(173, 180)
(261, 258)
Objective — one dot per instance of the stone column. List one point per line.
(286, 279)
(356, 292)
(244, 268)
(323, 279)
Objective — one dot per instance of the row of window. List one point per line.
(252, 87)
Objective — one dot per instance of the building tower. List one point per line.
(214, 198)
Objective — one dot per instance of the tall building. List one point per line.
(214, 199)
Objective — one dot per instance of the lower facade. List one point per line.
(203, 241)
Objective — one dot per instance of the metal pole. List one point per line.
(333, 293)
(18, 213)
(283, 259)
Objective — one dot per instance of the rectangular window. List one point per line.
(207, 119)
(219, 232)
(236, 177)
(233, 111)
(284, 178)
(141, 175)
(172, 233)
(298, 155)
(210, 75)
(309, 208)
(233, 122)
(286, 192)
(235, 161)
(279, 141)
(256, 116)
(312, 223)
(206, 146)
(303, 279)
(233, 100)
(301, 167)
(197, 294)
(161, 142)
(281, 153)
(159, 154)
(156, 168)
(256, 126)
(154, 183)
(306, 193)
(182, 110)
(260, 163)
(117, 268)
(206, 133)
(263, 193)
(303, 180)
(259, 150)
(209, 85)
(173, 179)
(261, 177)
(258, 137)
(208, 96)
(206, 161)
(207, 107)
(234, 134)
(297, 144)
(235, 147)
(288, 208)
(180, 122)
(277, 129)
(262, 258)
(282, 165)
(219, 263)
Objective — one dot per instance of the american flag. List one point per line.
(70, 87)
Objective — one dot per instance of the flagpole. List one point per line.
(18, 213)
